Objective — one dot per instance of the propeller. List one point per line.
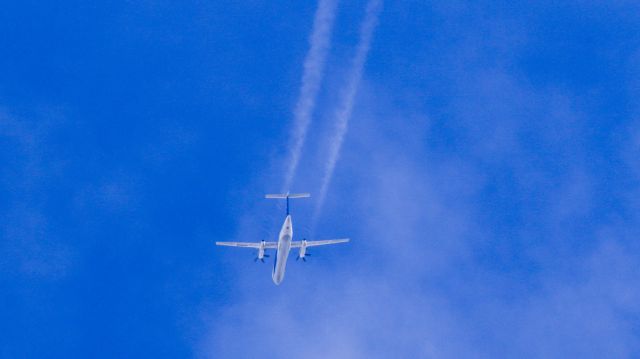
(261, 259)
(304, 259)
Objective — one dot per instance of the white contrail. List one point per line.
(343, 113)
(320, 41)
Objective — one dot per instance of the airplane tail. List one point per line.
(287, 196)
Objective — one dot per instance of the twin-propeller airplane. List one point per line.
(284, 243)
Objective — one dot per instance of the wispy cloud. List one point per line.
(418, 266)
(345, 106)
(314, 63)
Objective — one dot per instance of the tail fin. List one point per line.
(287, 196)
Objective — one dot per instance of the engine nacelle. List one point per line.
(303, 250)
(261, 254)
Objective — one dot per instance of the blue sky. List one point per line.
(488, 176)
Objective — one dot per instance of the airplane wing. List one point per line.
(267, 245)
(298, 244)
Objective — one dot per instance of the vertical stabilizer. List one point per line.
(287, 196)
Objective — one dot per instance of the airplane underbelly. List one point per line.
(284, 246)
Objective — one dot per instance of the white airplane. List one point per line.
(284, 243)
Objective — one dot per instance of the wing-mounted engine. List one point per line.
(303, 251)
(261, 254)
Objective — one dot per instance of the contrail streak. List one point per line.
(320, 41)
(343, 113)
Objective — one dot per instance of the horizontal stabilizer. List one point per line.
(288, 195)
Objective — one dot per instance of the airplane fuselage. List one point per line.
(282, 252)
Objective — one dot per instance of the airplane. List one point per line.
(284, 243)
